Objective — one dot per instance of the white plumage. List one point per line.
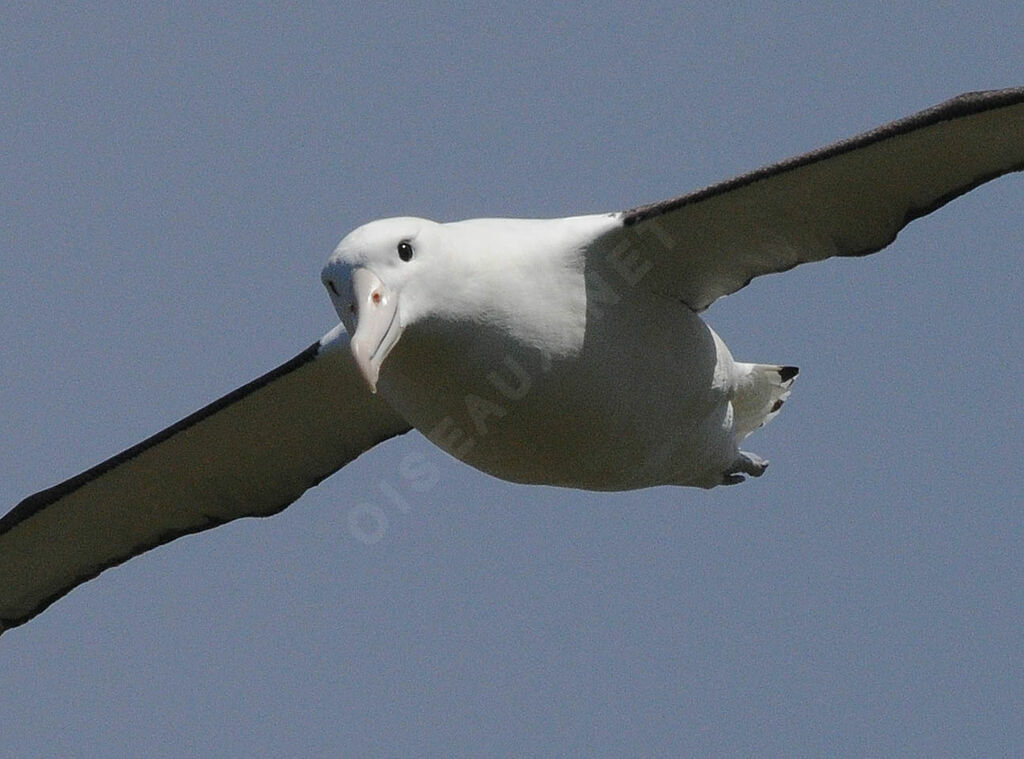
(535, 350)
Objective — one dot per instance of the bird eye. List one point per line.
(405, 250)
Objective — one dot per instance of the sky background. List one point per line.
(172, 178)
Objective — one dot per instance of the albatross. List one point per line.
(565, 352)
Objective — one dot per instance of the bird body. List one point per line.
(531, 351)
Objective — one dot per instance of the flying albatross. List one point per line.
(559, 351)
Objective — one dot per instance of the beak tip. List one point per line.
(365, 365)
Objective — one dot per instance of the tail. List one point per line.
(760, 393)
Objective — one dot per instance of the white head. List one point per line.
(376, 279)
(521, 277)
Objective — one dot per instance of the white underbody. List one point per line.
(608, 387)
(658, 415)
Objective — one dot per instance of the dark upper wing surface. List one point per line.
(251, 453)
(848, 199)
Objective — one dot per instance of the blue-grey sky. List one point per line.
(172, 178)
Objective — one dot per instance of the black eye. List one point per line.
(405, 250)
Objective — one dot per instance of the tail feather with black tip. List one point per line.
(760, 393)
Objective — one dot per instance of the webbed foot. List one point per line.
(745, 463)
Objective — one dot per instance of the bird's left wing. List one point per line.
(849, 199)
(251, 453)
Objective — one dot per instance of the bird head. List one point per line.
(374, 278)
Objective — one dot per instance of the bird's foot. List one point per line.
(745, 463)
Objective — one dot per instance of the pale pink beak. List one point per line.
(377, 326)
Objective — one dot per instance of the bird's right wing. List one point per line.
(251, 453)
(848, 199)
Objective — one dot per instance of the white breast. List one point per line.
(533, 387)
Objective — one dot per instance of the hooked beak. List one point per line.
(377, 326)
